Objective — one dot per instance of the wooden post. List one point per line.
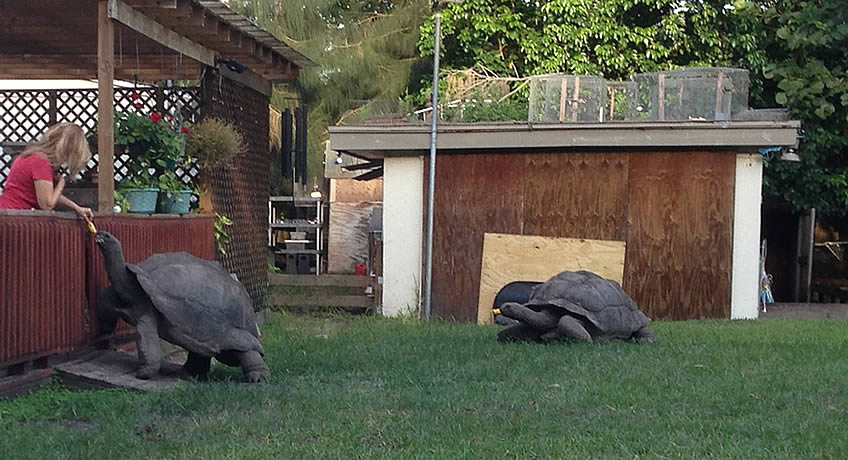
(105, 109)
(612, 103)
(52, 101)
(719, 95)
(563, 98)
(575, 101)
(661, 98)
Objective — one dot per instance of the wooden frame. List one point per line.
(121, 12)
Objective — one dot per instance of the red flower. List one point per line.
(134, 96)
(155, 117)
(184, 129)
(138, 105)
(170, 118)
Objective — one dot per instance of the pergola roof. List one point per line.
(153, 40)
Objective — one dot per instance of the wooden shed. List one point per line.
(683, 197)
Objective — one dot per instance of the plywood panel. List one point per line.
(347, 241)
(577, 195)
(349, 190)
(679, 239)
(475, 193)
(508, 258)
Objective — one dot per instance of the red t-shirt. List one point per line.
(19, 191)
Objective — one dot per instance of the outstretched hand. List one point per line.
(85, 213)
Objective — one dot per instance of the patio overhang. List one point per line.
(153, 40)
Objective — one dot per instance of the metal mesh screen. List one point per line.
(240, 191)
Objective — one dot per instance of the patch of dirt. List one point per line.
(79, 425)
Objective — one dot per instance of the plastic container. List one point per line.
(176, 202)
(141, 200)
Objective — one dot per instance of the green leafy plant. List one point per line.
(154, 145)
(222, 238)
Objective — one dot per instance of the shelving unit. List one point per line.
(303, 217)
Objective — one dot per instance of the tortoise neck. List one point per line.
(116, 268)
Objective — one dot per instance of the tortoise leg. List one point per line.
(149, 351)
(544, 320)
(197, 366)
(571, 328)
(519, 332)
(254, 367)
(645, 335)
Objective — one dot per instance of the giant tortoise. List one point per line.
(190, 302)
(578, 306)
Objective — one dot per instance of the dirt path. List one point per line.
(806, 311)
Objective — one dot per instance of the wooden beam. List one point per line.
(142, 24)
(105, 109)
(74, 73)
(248, 78)
(152, 67)
(168, 4)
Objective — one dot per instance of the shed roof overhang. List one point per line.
(153, 40)
(375, 141)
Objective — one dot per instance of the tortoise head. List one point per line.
(107, 241)
(509, 309)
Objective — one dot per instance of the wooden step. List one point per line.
(279, 279)
(317, 300)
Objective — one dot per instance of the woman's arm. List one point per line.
(48, 196)
(80, 210)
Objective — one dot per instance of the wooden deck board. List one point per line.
(114, 369)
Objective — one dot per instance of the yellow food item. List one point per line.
(496, 311)
(91, 227)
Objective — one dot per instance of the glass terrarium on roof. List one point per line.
(567, 98)
(622, 100)
(698, 93)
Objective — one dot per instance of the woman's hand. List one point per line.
(85, 213)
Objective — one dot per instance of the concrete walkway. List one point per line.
(806, 311)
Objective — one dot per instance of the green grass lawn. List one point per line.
(370, 387)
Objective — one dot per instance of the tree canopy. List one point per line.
(365, 53)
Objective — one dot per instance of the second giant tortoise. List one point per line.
(579, 306)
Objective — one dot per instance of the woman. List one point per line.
(33, 181)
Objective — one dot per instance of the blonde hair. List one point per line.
(62, 143)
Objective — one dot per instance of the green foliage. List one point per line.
(613, 38)
(365, 387)
(222, 238)
(155, 146)
(479, 109)
(364, 50)
(800, 56)
(213, 143)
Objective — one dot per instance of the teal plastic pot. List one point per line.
(176, 202)
(141, 200)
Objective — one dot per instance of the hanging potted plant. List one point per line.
(213, 144)
(152, 148)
